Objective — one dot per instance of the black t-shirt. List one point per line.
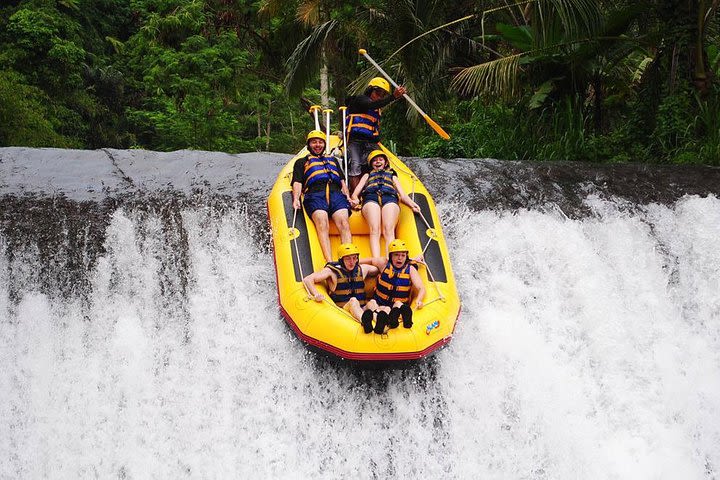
(299, 175)
(362, 103)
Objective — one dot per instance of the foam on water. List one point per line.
(578, 356)
(586, 349)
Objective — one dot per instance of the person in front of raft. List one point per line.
(381, 194)
(393, 293)
(325, 195)
(345, 280)
(363, 123)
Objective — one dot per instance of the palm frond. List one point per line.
(567, 19)
(270, 8)
(498, 77)
(70, 4)
(117, 45)
(360, 83)
(308, 12)
(305, 60)
(445, 25)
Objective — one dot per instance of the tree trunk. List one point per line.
(267, 129)
(324, 82)
(701, 76)
(267, 138)
(598, 101)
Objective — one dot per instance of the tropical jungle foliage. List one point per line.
(590, 80)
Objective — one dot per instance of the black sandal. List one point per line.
(366, 321)
(381, 322)
(407, 315)
(394, 317)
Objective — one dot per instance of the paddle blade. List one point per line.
(436, 127)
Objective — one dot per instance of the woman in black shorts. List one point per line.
(381, 194)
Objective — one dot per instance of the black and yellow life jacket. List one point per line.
(380, 182)
(394, 285)
(321, 171)
(349, 284)
(364, 125)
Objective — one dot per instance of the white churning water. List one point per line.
(586, 349)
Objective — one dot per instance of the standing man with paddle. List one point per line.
(363, 124)
(360, 142)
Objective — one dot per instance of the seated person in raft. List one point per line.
(381, 192)
(345, 280)
(325, 195)
(397, 281)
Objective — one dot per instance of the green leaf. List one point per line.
(540, 95)
(519, 37)
(497, 77)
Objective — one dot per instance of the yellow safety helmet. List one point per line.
(396, 246)
(346, 249)
(377, 153)
(379, 82)
(315, 134)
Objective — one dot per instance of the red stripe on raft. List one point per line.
(363, 356)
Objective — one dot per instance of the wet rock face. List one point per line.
(55, 205)
(63, 236)
(95, 175)
(123, 175)
(503, 185)
(52, 244)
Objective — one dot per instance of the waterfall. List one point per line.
(140, 335)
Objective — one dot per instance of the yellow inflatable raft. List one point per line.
(327, 327)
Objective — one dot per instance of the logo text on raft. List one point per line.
(431, 326)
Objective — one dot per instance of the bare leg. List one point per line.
(371, 305)
(322, 225)
(340, 217)
(390, 215)
(354, 308)
(371, 212)
(357, 155)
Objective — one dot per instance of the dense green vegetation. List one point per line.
(590, 80)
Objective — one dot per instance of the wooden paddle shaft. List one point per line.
(364, 53)
(433, 124)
